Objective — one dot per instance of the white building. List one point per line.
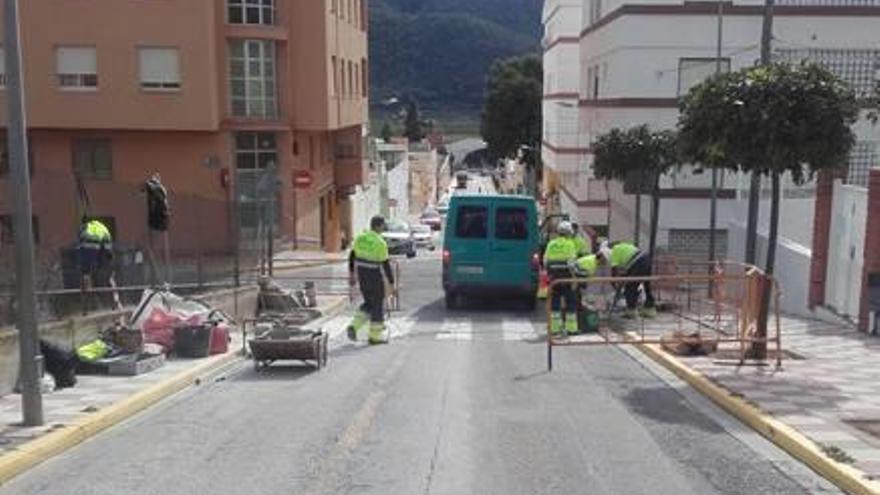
(636, 60)
(564, 148)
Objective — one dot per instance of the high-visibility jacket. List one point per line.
(370, 247)
(370, 254)
(583, 248)
(560, 250)
(95, 233)
(588, 264)
(622, 254)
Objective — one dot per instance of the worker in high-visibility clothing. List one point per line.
(559, 258)
(581, 244)
(587, 266)
(627, 260)
(369, 260)
(95, 248)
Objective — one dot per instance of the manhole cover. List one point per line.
(869, 426)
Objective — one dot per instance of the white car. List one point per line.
(400, 239)
(423, 236)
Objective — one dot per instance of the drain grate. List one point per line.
(869, 426)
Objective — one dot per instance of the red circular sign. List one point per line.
(302, 179)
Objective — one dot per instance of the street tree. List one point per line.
(412, 123)
(770, 120)
(511, 119)
(386, 134)
(639, 157)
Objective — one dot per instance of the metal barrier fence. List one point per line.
(721, 302)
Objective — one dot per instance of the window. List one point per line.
(511, 223)
(252, 78)
(251, 12)
(7, 230)
(4, 156)
(159, 68)
(342, 88)
(693, 71)
(2, 67)
(77, 67)
(334, 6)
(335, 76)
(93, 158)
(364, 77)
(350, 78)
(256, 159)
(472, 222)
(595, 11)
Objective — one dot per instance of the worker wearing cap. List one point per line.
(627, 260)
(369, 260)
(559, 258)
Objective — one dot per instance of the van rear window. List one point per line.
(511, 223)
(472, 222)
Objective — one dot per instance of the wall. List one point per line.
(399, 189)
(363, 205)
(116, 29)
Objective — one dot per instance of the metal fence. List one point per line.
(201, 250)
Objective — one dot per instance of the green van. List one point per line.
(490, 247)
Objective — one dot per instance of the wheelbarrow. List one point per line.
(289, 343)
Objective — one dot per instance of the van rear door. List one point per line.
(469, 245)
(513, 244)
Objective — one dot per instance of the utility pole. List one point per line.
(20, 192)
(755, 186)
(713, 204)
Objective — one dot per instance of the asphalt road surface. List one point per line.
(458, 403)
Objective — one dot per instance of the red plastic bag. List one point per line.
(220, 339)
(159, 329)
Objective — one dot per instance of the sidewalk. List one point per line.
(98, 402)
(289, 259)
(828, 390)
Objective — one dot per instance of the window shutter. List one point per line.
(159, 65)
(77, 60)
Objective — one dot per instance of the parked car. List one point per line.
(443, 205)
(491, 247)
(431, 218)
(400, 239)
(423, 236)
(461, 180)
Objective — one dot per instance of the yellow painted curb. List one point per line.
(796, 444)
(53, 443)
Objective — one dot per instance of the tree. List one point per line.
(511, 120)
(638, 156)
(771, 120)
(412, 124)
(386, 133)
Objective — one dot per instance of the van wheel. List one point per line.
(451, 300)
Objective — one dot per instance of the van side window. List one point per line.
(472, 222)
(511, 223)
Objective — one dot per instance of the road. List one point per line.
(458, 403)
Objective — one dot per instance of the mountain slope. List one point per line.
(439, 51)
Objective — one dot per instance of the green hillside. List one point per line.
(439, 51)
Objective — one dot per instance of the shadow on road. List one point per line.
(285, 371)
(667, 406)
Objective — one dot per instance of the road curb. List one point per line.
(787, 438)
(36, 451)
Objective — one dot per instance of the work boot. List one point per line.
(648, 312)
(556, 323)
(631, 314)
(571, 324)
(359, 320)
(377, 334)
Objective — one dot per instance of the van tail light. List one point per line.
(447, 257)
(536, 261)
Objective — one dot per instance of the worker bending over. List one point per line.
(369, 260)
(627, 260)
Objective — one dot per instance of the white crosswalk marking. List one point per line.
(456, 329)
(518, 329)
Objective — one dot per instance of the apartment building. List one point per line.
(247, 109)
(567, 185)
(638, 58)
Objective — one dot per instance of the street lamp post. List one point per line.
(20, 191)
